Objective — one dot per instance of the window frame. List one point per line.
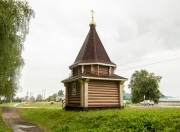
(74, 89)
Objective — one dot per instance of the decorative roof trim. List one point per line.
(94, 63)
(95, 78)
(109, 79)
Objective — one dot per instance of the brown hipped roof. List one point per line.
(93, 50)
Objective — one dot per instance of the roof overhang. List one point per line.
(95, 63)
(94, 78)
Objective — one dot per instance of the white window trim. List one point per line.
(74, 89)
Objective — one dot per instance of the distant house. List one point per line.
(127, 96)
(59, 98)
(169, 101)
(93, 83)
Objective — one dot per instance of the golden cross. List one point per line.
(92, 21)
(92, 11)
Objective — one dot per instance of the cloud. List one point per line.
(150, 29)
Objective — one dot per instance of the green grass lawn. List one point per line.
(3, 126)
(131, 120)
(42, 105)
(54, 105)
(8, 104)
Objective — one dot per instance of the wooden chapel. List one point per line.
(93, 83)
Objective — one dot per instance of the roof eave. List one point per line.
(95, 78)
(101, 78)
(94, 63)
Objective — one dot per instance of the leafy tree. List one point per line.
(32, 99)
(39, 97)
(52, 98)
(60, 92)
(17, 99)
(14, 20)
(144, 84)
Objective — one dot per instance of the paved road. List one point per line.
(13, 119)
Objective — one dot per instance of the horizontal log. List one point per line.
(94, 89)
(106, 106)
(103, 95)
(74, 102)
(70, 90)
(74, 99)
(77, 93)
(73, 96)
(103, 104)
(102, 87)
(102, 92)
(103, 69)
(103, 101)
(106, 82)
(77, 98)
(103, 98)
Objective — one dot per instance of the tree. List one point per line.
(144, 84)
(60, 92)
(14, 20)
(32, 99)
(39, 97)
(17, 99)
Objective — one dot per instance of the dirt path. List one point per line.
(13, 119)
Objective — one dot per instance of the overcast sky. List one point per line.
(137, 34)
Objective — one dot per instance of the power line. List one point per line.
(140, 59)
(151, 63)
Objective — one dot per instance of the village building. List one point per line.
(93, 83)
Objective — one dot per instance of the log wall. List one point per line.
(103, 94)
(76, 71)
(74, 100)
(103, 70)
(94, 69)
(87, 68)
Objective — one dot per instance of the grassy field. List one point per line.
(7, 104)
(56, 105)
(3, 126)
(131, 120)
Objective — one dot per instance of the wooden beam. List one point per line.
(66, 93)
(81, 93)
(86, 93)
(121, 93)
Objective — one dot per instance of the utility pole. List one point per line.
(44, 93)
